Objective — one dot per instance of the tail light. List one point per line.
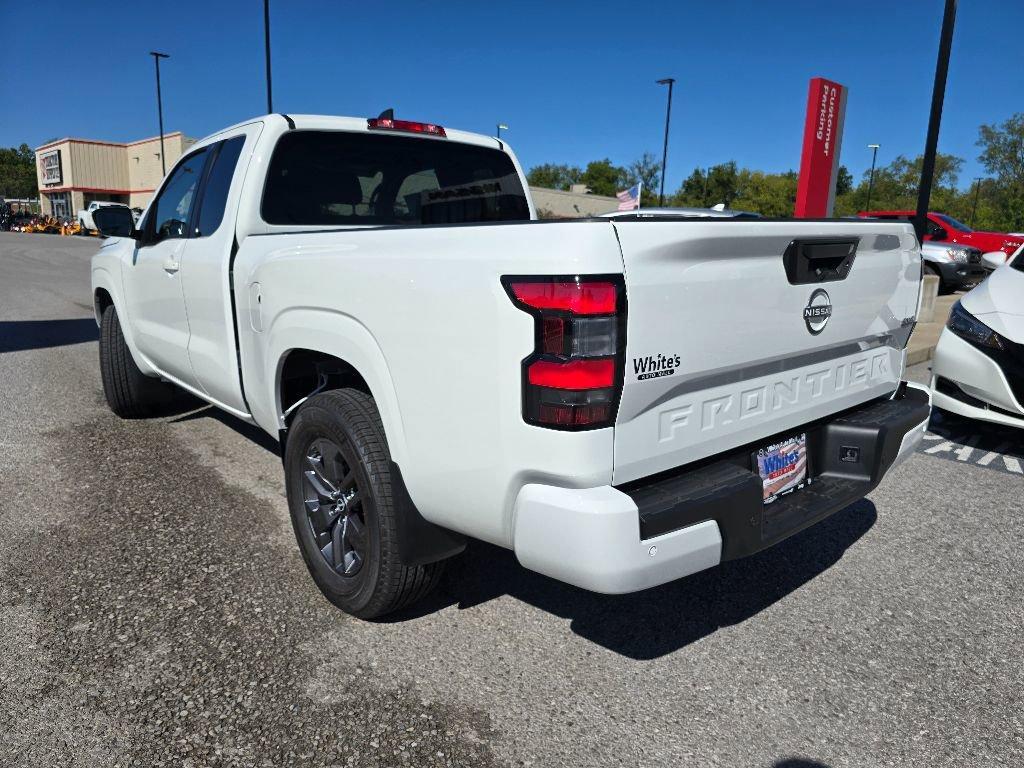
(390, 124)
(573, 378)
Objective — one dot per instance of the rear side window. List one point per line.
(339, 178)
(218, 182)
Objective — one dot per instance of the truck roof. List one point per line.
(356, 124)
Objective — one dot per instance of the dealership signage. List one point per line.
(819, 160)
(50, 164)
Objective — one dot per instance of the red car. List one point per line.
(946, 229)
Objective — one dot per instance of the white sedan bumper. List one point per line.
(980, 389)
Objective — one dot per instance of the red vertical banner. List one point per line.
(819, 160)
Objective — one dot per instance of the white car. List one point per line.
(978, 368)
(85, 218)
(620, 402)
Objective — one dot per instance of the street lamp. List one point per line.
(160, 106)
(500, 127)
(977, 194)
(669, 81)
(871, 178)
(266, 47)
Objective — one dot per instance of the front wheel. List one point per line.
(338, 477)
(130, 393)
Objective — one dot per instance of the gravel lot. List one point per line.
(154, 609)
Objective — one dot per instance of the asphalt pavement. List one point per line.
(154, 609)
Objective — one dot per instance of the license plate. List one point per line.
(783, 467)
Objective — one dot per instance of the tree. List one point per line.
(702, 189)
(896, 186)
(844, 180)
(1003, 149)
(1002, 155)
(770, 194)
(552, 176)
(18, 172)
(603, 178)
(693, 191)
(647, 170)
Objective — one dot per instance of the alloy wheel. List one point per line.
(334, 507)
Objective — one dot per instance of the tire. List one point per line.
(130, 393)
(338, 436)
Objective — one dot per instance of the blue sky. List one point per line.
(573, 80)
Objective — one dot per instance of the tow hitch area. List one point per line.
(846, 457)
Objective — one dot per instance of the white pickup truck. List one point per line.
(621, 402)
(85, 218)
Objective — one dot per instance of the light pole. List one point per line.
(871, 178)
(669, 81)
(160, 106)
(977, 194)
(266, 47)
(924, 190)
(500, 126)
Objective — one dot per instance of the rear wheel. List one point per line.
(130, 393)
(337, 472)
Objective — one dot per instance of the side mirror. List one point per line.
(993, 259)
(115, 221)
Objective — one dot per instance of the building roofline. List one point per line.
(567, 193)
(70, 140)
(98, 190)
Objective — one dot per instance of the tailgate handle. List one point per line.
(819, 260)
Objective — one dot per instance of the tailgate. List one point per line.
(740, 330)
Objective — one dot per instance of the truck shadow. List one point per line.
(644, 625)
(19, 335)
(193, 409)
(658, 621)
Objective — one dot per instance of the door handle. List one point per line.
(171, 265)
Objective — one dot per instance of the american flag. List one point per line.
(629, 199)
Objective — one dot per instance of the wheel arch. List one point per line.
(304, 343)
(101, 299)
(303, 371)
(105, 294)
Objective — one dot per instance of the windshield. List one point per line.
(953, 222)
(345, 178)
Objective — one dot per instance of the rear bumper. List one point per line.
(650, 532)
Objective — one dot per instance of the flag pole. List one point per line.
(639, 193)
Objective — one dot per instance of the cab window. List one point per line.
(172, 209)
(352, 178)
